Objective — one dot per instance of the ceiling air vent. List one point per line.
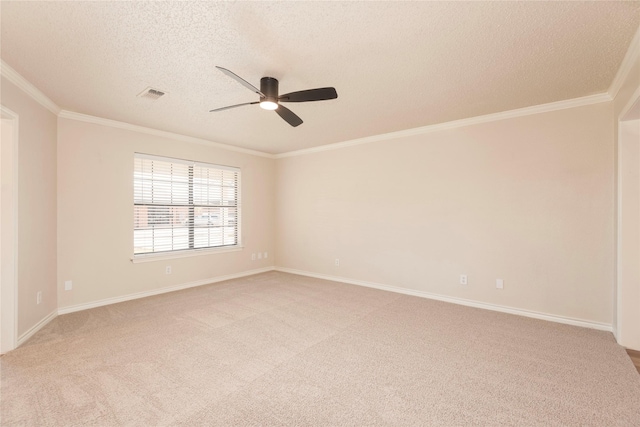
(151, 93)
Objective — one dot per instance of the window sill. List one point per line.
(183, 254)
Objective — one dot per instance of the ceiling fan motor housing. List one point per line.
(269, 99)
(269, 86)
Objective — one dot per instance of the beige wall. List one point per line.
(528, 200)
(36, 206)
(95, 214)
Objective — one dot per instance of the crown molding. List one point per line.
(634, 49)
(16, 78)
(536, 109)
(627, 63)
(635, 97)
(65, 114)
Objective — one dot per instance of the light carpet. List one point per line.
(279, 349)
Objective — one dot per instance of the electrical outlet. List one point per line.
(499, 284)
(167, 269)
(253, 257)
(259, 255)
(337, 262)
(266, 255)
(39, 297)
(463, 279)
(68, 285)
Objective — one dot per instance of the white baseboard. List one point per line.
(143, 294)
(35, 328)
(455, 300)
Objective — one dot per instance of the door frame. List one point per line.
(9, 280)
(618, 324)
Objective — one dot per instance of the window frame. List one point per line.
(184, 253)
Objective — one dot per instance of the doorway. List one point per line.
(8, 229)
(627, 298)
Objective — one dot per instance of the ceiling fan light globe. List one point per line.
(268, 105)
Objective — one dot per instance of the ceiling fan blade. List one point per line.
(320, 94)
(288, 116)
(233, 106)
(240, 80)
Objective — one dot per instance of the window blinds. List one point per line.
(183, 205)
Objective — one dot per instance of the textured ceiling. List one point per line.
(395, 65)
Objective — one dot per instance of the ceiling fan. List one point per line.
(270, 100)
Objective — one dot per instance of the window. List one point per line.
(183, 205)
